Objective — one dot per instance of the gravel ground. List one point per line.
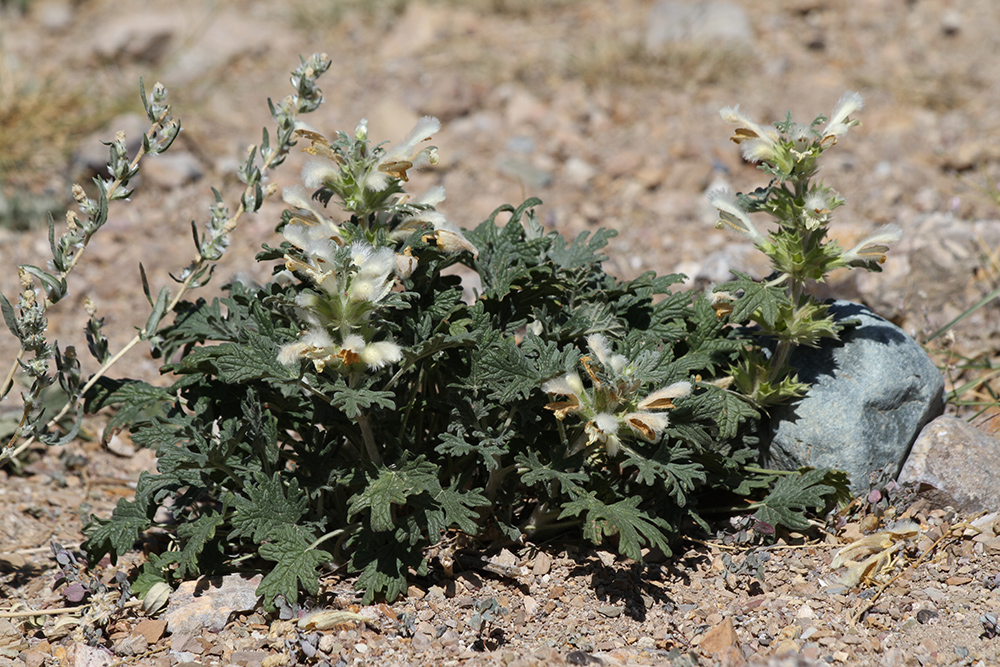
(585, 106)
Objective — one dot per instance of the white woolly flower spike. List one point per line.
(757, 142)
(839, 122)
(647, 425)
(732, 216)
(404, 155)
(873, 247)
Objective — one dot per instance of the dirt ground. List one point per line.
(611, 123)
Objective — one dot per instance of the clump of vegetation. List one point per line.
(360, 404)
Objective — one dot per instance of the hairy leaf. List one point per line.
(791, 495)
(633, 526)
(295, 567)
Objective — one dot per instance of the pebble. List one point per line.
(542, 564)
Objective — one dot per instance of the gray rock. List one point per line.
(715, 23)
(207, 604)
(172, 169)
(871, 393)
(524, 172)
(957, 458)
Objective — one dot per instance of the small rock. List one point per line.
(121, 447)
(610, 611)
(81, 655)
(172, 169)
(721, 643)
(11, 638)
(786, 646)
(421, 642)
(186, 642)
(718, 23)
(33, 658)
(328, 644)
(542, 564)
(870, 394)
(206, 604)
(530, 606)
(578, 172)
(955, 457)
(248, 658)
(957, 581)
(925, 615)
(134, 644)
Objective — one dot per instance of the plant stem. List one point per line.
(9, 451)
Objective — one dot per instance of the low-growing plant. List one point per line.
(782, 308)
(399, 377)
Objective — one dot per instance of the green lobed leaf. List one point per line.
(296, 565)
(791, 496)
(633, 526)
(267, 507)
(196, 536)
(669, 470)
(393, 486)
(115, 536)
(759, 301)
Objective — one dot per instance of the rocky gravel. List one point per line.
(608, 112)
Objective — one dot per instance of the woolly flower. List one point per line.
(317, 173)
(648, 422)
(732, 215)
(840, 122)
(598, 344)
(603, 428)
(403, 156)
(661, 399)
(317, 346)
(447, 235)
(871, 251)
(815, 203)
(294, 196)
(816, 208)
(757, 142)
(380, 354)
(568, 385)
(647, 425)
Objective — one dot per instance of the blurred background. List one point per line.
(606, 110)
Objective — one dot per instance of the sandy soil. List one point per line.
(566, 100)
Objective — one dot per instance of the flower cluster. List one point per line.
(612, 405)
(789, 151)
(798, 248)
(354, 266)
